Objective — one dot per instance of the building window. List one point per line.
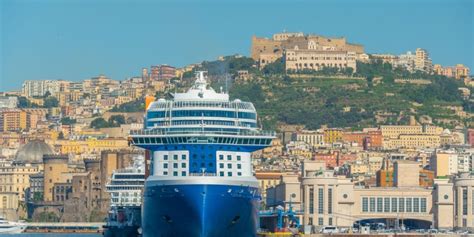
(229, 157)
(320, 221)
(239, 173)
(416, 205)
(221, 165)
(183, 157)
(379, 204)
(165, 165)
(311, 201)
(310, 222)
(320, 200)
(401, 204)
(409, 205)
(394, 204)
(175, 165)
(165, 157)
(239, 158)
(183, 165)
(423, 204)
(365, 204)
(472, 202)
(229, 166)
(330, 221)
(183, 173)
(464, 201)
(175, 157)
(221, 173)
(386, 204)
(239, 166)
(221, 157)
(165, 172)
(229, 174)
(330, 202)
(372, 204)
(175, 173)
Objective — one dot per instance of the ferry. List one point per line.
(10, 227)
(201, 182)
(125, 189)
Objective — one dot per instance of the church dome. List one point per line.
(33, 152)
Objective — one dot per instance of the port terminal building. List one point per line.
(322, 198)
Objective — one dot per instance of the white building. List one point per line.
(9, 102)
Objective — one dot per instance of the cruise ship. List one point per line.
(201, 181)
(125, 189)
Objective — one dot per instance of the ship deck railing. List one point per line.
(202, 174)
(152, 132)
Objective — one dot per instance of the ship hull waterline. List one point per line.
(200, 209)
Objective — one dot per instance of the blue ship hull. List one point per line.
(200, 210)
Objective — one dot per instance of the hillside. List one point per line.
(367, 98)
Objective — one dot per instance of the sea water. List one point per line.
(50, 235)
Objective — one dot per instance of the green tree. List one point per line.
(50, 102)
(277, 67)
(116, 120)
(67, 121)
(99, 123)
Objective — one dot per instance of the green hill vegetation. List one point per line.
(368, 97)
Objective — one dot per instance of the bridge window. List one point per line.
(365, 204)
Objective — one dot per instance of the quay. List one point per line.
(65, 227)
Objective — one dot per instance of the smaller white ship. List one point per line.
(10, 227)
(125, 190)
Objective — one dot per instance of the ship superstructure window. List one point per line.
(174, 166)
(230, 163)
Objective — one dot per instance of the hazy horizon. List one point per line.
(76, 40)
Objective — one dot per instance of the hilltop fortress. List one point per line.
(306, 48)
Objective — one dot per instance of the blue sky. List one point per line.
(78, 39)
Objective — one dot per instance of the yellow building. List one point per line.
(412, 141)
(55, 168)
(90, 145)
(14, 120)
(317, 59)
(16, 179)
(332, 135)
(312, 138)
(394, 131)
(444, 164)
(267, 179)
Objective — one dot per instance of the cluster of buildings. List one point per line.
(305, 52)
(417, 176)
(42, 185)
(308, 52)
